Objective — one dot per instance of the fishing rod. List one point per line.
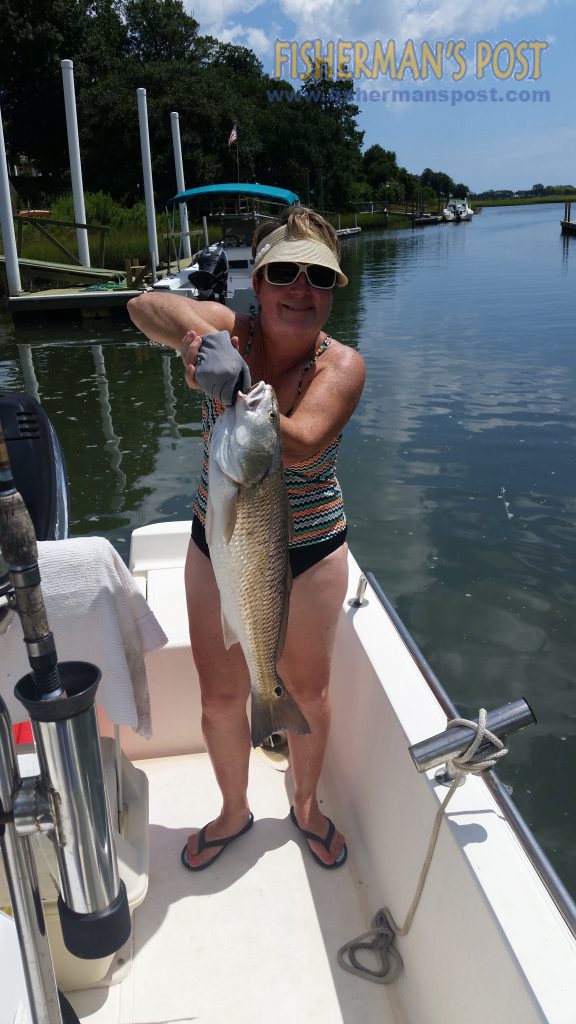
(68, 799)
(20, 552)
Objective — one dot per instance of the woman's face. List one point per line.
(298, 306)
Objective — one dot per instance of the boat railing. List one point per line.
(551, 880)
(246, 206)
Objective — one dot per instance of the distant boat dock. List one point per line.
(346, 232)
(567, 224)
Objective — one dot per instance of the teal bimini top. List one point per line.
(237, 188)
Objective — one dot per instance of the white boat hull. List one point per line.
(457, 210)
(239, 292)
(257, 935)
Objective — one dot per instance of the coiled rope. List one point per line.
(384, 927)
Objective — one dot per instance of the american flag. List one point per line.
(233, 137)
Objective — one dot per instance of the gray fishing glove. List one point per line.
(220, 370)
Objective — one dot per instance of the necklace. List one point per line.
(308, 366)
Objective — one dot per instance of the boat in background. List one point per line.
(222, 271)
(459, 209)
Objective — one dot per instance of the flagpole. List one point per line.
(237, 160)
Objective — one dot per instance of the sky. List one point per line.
(497, 108)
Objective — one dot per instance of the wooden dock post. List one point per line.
(568, 225)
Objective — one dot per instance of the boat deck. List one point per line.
(252, 939)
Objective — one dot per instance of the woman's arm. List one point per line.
(326, 406)
(167, 318)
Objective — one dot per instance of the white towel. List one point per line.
(97, 614)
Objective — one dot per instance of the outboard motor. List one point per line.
(211, 278)
(68, 799)
(37, 464)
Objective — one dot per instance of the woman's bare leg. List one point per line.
(315, 604)
(225, 686)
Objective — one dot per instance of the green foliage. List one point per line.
(440, 183)
(101, 209)
(306, 140)
(380, 166)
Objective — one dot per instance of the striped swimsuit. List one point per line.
(313, 491)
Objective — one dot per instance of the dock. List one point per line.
(66, 273)
(71, 305)
(568, 225)
(427, 218)
(345, 232)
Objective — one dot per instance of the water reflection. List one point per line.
(111, 438)
(28, 374)
(169, 394)
(458, 468)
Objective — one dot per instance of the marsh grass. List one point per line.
(528, 201)
(127, 234)
(126, 237)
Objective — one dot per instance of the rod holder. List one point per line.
(68, 798)
(93, 907)
(451, 743)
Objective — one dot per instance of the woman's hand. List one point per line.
(189, 348)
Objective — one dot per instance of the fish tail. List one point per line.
(282, 713)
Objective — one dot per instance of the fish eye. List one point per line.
(272, 415)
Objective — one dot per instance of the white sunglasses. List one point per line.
(283, 274)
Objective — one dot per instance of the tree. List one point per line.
(379, 166)
(441, 183)
(159, 30)
(312, 146)
(35, 38)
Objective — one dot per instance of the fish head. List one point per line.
(254, 443)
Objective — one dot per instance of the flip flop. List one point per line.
(204, 843)
(325, 842)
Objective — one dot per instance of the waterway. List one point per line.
(458, 467)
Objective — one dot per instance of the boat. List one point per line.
(268, 933)
(223, 270)
(448, 215)
(459, 209)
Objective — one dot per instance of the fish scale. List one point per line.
(247, 532)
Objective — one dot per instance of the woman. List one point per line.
(318, 383)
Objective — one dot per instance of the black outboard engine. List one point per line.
(37, 464)
(211, 278)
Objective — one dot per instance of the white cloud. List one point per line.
(254, 38)
(354, 20)
(258, 41)
(450, 17)
(213, 16)
(404, 19)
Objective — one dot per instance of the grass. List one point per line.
(127, 236)
(529, 201)
(123, 242)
